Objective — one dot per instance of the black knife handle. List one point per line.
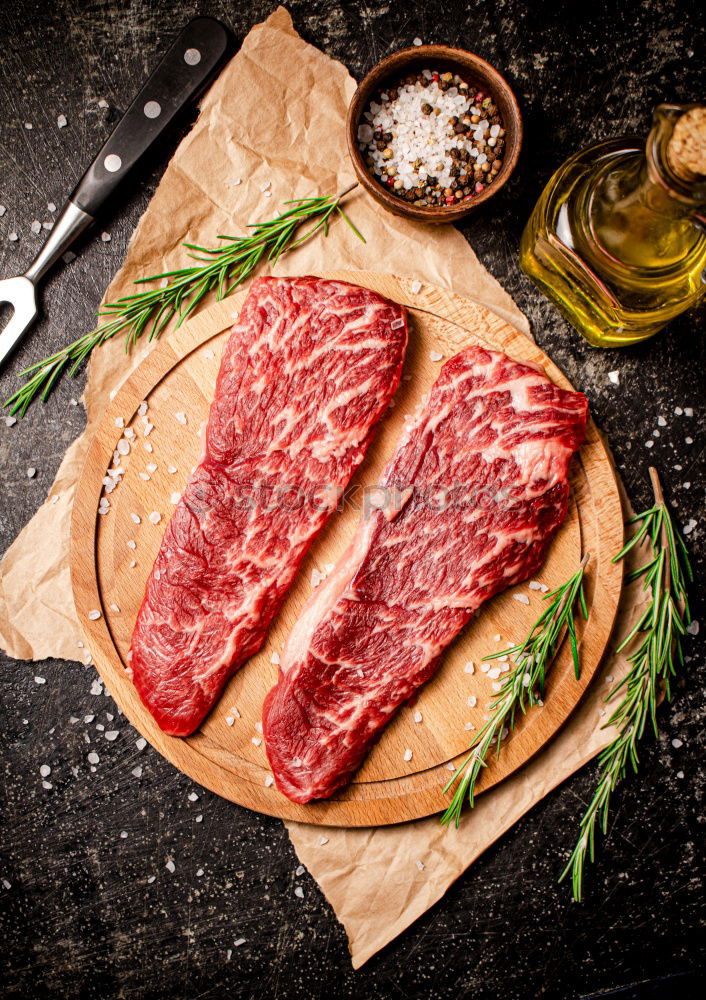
(184, 70)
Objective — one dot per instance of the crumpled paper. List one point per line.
(272, 128)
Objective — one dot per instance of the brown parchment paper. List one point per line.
(276, 114)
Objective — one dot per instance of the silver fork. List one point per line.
(184, 70)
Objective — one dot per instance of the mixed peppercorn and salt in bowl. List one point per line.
(433, 137)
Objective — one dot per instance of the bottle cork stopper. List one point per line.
(686, 150)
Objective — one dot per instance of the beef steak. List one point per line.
(468, 506)
(309, 369)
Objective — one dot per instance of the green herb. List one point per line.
(220, 269)
(659, 634)
(524, 686)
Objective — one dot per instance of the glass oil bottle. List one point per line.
(617, 239)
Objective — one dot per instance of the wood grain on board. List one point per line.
(227, 754)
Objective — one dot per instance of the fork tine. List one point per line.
(19, 293)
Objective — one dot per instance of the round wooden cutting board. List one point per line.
(112, 555)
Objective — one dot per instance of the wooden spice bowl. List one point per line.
(476, 72)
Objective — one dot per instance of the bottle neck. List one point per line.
(673, 189)
(642, 213)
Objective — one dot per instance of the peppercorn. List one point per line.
(460, 171)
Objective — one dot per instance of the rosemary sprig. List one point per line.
(524, 685)
(221, 269)
(659, 634)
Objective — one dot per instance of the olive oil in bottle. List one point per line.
(617, 239)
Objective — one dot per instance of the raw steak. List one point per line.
(472, 497)
(309, 369)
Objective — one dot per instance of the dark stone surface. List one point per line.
(80, 918)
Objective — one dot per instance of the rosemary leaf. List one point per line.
(523, 687)
(653, 663)
(219, 269)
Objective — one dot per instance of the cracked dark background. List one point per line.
(79, 918)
